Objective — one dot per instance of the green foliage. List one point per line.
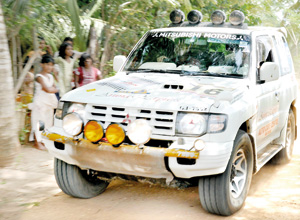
(22, 16)
(109, 68)
(284, 13)
(23, 135)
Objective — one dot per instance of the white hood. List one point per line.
(160, 91)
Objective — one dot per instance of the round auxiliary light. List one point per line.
(236, 17)
(73, 124)
(93, 131)
(199, 145)
(194, 17)
(218, 17)
(139, 131)
(177, 16)
(115, 134)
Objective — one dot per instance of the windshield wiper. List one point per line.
(230, 75)
(154, 71)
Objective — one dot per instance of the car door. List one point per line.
(267, 96)
(288, 85)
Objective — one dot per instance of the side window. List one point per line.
(264, 51)
(286, 63)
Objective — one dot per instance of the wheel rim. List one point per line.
(238, 175)
(288, 138)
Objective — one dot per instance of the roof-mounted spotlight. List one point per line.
(177, 16)
(194, 17)
(218, 17)
(237, 18)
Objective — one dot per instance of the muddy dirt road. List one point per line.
(29, 192)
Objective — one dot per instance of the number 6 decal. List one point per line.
(213, 91)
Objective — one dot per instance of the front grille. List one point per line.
(162, 122)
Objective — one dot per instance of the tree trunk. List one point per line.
(20, 60)
(9, 143)
(14, 58)
(105, 53)
(93, 42)
(24, 72)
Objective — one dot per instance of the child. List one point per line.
(44, 101)
(65, 62)
(86, 73)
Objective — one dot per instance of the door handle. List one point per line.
(277, 95)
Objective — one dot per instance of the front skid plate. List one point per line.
(126, 159)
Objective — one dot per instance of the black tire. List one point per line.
(76, 182)
(285, 155)
(219, 194)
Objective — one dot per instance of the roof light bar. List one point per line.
(218, 17)
(177, 16)
(194, 17)
(237, 18)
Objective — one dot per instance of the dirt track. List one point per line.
(28, 191)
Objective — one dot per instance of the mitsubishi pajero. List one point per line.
(211, 101)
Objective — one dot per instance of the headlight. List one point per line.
(139, 131)
(73, 124)
(93, 131)
(191, 124)
(198, 124)
(115, 134)
(78, 108)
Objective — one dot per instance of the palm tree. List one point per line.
(9, 143)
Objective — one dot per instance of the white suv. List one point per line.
(213, 101)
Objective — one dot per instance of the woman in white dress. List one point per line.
(44, 101)
(65, 62)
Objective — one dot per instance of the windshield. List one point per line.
(192, 53)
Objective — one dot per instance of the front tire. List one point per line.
(76, 182)
(225, 194)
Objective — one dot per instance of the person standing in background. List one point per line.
(44, 101)
(76, 54)
(86, 72)
(28, 87)
(42, 50)
(65, 63)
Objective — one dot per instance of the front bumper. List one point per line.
(125, 159)
(131, 160)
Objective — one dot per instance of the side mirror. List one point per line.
(269, 71)
(118, 62)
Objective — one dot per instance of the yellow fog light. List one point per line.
(115, 134)
(93, 131)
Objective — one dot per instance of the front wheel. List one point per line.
(76, 182)
(224, 194)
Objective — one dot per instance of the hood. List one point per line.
(160, 91)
